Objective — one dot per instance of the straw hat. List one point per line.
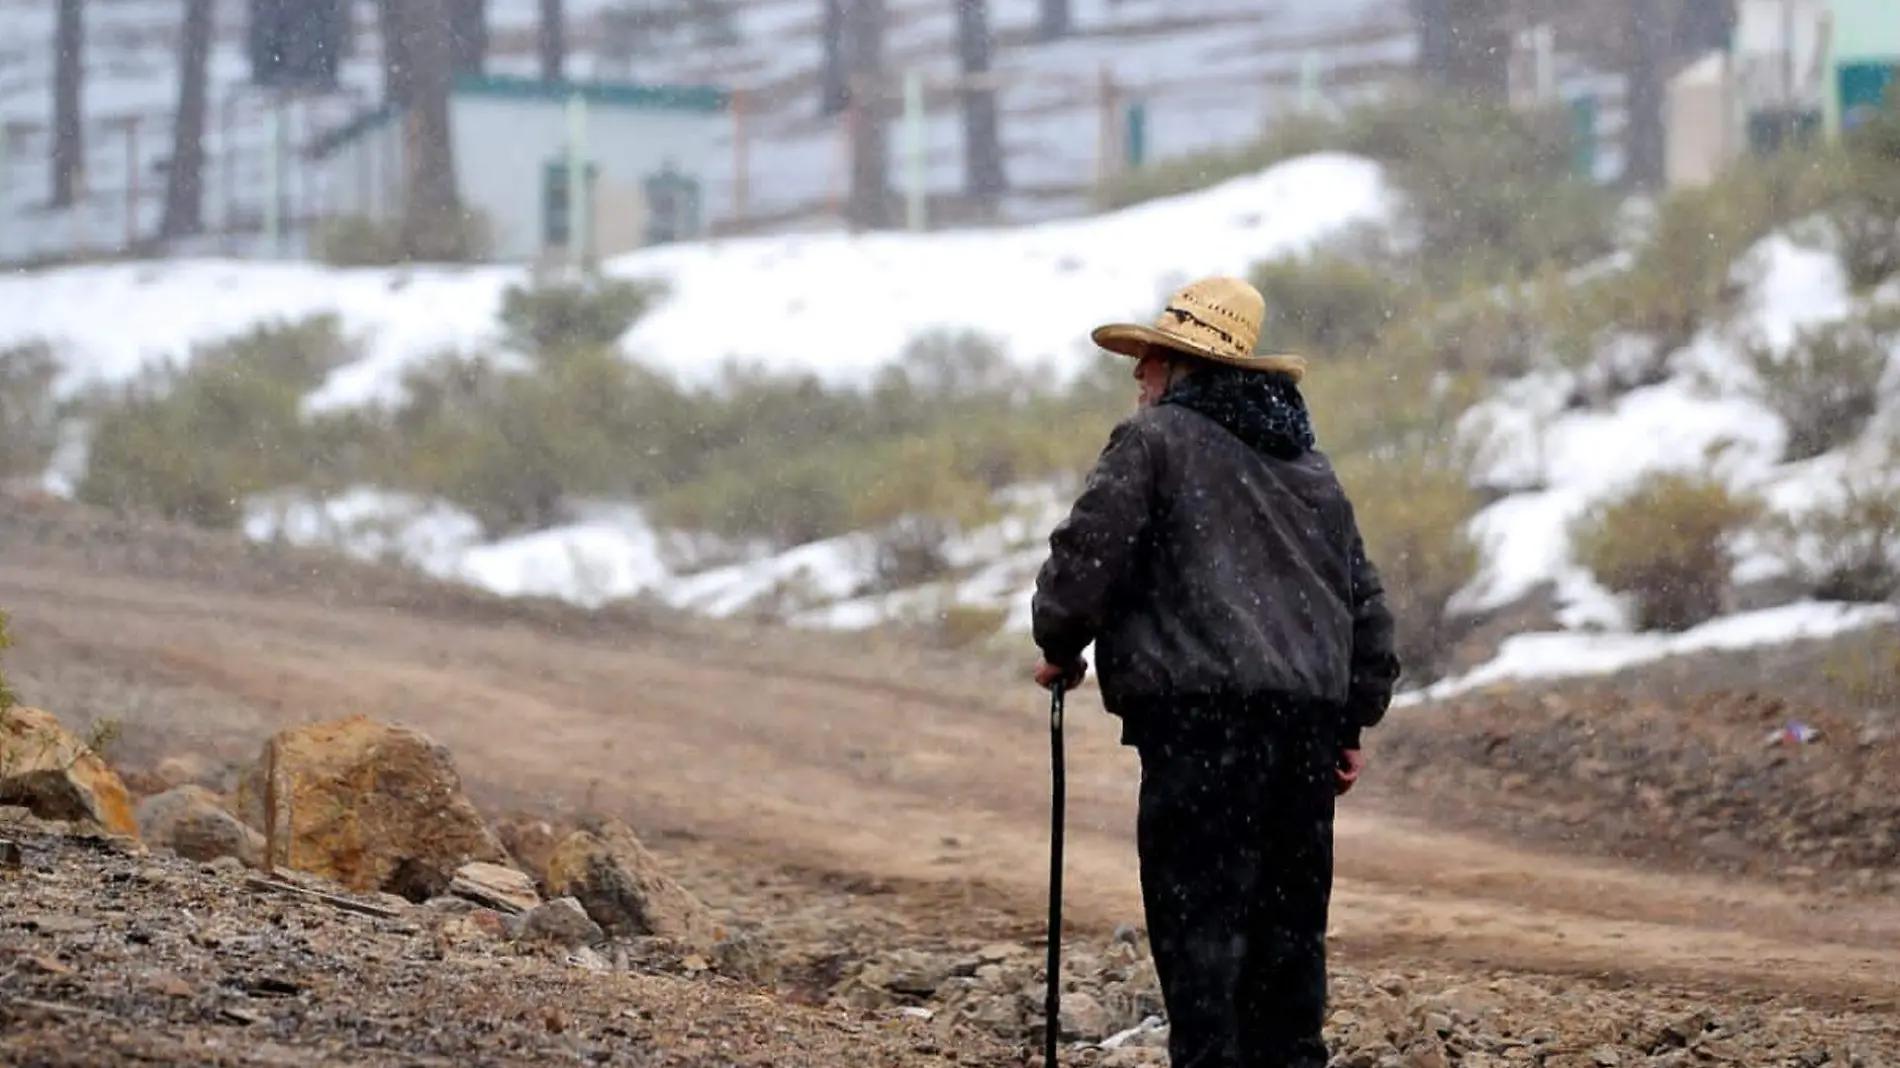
(1214, 318)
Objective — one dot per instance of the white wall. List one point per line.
(503, 144)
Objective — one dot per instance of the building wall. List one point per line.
(364, 175)
(1863, 31)
(1701, 121)
(503, 147)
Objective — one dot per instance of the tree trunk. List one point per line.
(1464, 46)
(552, 39)
(983, 177)
(834, 92)
(1646, 149)
(184, 182)
(1056, 20)
(398, 75)
(69, 75)
(432, 223)
(468, 21)
(872, 204)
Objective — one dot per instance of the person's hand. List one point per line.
(1351, 763)
(1047, 674)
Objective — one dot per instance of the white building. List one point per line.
(650, 151)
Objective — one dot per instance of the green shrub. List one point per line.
(1848, 547)
(1866, 210)
(1414, 510)
(195, 443)
(361, 241)
(1326, 303)
(1682, 278)
(547, 317)
(29, 413)
(1665, 544)
(1825, 386)
(513, 448)
(1484, 183)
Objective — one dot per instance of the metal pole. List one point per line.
(914, 148)
(6, 189)
(741, 164)
(272, 180)
(131, 182)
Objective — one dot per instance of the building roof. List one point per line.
(695, 99)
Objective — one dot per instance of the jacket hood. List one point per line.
(1264, 409)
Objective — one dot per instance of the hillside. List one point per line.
(1552, 440)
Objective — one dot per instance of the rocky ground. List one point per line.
(1782, 763)
(633, 839)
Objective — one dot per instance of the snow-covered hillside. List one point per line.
(841, 306)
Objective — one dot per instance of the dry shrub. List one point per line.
(1414, 511)
(1867, 667)
(960, 626)
(1665, 544)
(1848, 547)
(7, 700)
(1826, 385)
(29, 413)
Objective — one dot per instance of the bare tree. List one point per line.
(552, 39)
(872, 205)
(432, 223)
(983, 177)
(398, 74)
(1464, 45)
(184, 180)
(1645, 44)
(1056, 20)
(834, 91)
(69, 75)
(468, 34)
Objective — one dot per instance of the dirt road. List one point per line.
(802, 755)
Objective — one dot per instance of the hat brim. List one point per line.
(1135, 340)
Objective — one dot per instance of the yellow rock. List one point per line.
(368, 804)
(48, 770)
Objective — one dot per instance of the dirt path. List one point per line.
(841, 765)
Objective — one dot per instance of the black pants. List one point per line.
(1235, 836)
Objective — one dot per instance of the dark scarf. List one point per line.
(1264, 409)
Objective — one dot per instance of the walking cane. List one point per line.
(1052, 1002)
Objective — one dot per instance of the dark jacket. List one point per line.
(1214, 554)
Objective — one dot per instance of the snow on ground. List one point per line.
(1560, 655)
(837, 304)
(842, 305)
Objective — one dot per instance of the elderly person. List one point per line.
(1243, 641)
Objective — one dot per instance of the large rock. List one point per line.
(49, 771)
(620, 884)
(369, 805)
(191, 822)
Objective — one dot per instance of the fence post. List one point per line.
(914, 175)
(741, 163)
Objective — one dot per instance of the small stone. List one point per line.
(168, 985)
(1083, 1017)
(227, 866)
(45, 964)
(495, 886)
(1438, 1023)
(585, 957)
(53, 924)
(1394, 984)
(1605, 1057)
(562, 922)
